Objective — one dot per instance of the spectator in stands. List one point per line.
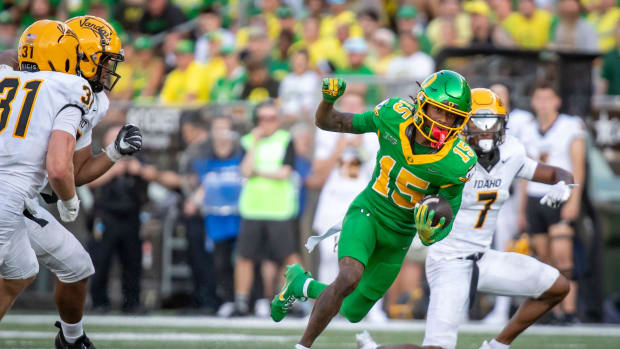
(610, 82)
(339, 14)
(259, 45)
(451, 28)
(571, 31)
(161, 15)
(406, 21)
(268, 206)
(148, 69)
(501, 10)
(118, 198)
(279, 66)
(286, 19)
(382, 51)
(210, 28)
(368, 19)
(229, 87)
(260, 86)
(36, 10)
(605, 18)
(177, 88)
(319, 49)
(218, 199)
(8, 31)
(129, 13)
(530, 26)
(299, 90)
(401, 66)
(357, 50)
(484, 33)
(559, 140)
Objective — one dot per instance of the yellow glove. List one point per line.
(423, 220)
(333, 88)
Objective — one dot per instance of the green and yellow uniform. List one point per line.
(379, 226)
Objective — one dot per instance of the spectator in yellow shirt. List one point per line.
(320, 49)
(452, 28)
(382, 51)
(530, 26)
(339, 13)
(175, 90)
(604, 21)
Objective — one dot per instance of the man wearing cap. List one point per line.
(229, 87)
(406, 21)
(357, 49)
(484, 33)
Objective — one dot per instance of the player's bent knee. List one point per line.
(347, 282)
(558, 290)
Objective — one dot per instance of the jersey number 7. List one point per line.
(8, 89)
(488, 197)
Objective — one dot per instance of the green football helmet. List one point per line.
(448, 91)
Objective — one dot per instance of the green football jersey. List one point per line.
(403, 175)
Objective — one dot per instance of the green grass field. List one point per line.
(168, 332)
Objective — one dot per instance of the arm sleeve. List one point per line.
(453, 194)
(527, 168)
(364, 122)
(289, 157)
(68, 120)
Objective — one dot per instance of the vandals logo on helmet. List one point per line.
(101, 30)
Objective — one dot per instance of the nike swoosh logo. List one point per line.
(431, 170)
(286, 285)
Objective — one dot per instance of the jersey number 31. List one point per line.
(8, 90)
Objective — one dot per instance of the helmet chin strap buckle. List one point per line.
(440, 135)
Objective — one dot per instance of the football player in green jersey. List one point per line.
(420, 153)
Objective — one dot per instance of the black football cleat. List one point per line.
(81, 343)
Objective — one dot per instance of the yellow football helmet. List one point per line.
(49, 46)
(488, 116)
(102, 51)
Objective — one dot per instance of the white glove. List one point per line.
(69, 209)
(557, 195)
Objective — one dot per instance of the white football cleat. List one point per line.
(262, 308)
(485, 345)
(365, 341)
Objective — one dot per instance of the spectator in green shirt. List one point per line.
(611, 68)
(229, 87)
(357, 50)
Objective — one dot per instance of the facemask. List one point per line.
(486, 145)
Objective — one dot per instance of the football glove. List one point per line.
(69, 209)
(423, 220)
(557, 194)
(128, 141)
(333, 88)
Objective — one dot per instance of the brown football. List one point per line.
(441, 207)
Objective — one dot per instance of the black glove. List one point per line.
(129, 140)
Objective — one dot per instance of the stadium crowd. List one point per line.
(245, 188)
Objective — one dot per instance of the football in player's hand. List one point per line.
(441, 207)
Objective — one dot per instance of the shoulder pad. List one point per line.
(73, 90)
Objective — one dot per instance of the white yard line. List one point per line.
(165, 336)
(300, 324)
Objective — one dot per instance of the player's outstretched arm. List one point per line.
(328, 118)
(89, 167)
(551, 175)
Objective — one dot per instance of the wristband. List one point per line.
(112, 153)
(72, 203)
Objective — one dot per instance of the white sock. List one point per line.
(71, 332)
(497, 345)
(299, 346)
